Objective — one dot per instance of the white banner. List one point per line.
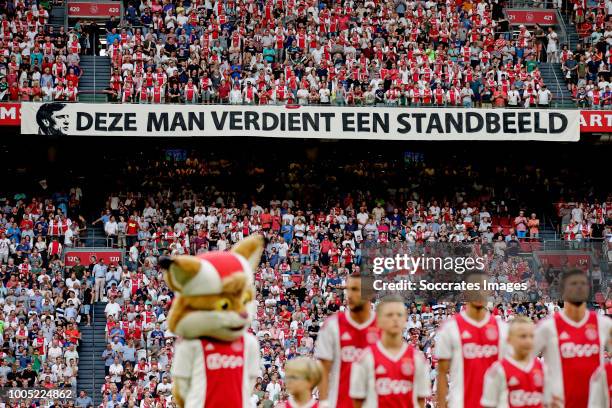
(380, 123)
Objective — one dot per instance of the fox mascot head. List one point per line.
(213, 291)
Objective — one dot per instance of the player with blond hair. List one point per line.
(390, 373)
(517, 380)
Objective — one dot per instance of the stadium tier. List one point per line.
(288, 52)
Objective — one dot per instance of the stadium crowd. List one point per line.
(314, 239)
(42, 304)
(288, 52)
(400, 54)
(587, 67)
(358, 53)
(308, 255)
(310, 250)
(38, 62)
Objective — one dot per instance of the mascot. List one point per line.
(216, 362)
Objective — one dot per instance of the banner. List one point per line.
(380, 123)
(81, 9)
(86, 254)
(596, 121)
(10, 114)
(531, 17)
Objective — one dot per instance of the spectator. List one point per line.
(108, 355)
(83, 400)
(544, 97)
(112, 308)
(99, 273)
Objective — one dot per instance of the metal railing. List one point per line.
(558, 93)
(537, 4)
(557, 102)
(563, 38)
(93, 238)
(94, 357)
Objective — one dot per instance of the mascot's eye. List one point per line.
(223, 304)
(246, 298)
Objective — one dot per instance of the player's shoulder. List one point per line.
(331, 321)
(496, 369)
(498, 365)
(250, 340)
(547, 323)
(448, 325)
(604, 319)
(183, 342)
(417, 353)
(500, 322)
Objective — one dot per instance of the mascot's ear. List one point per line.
(179, 270)
(251, 249)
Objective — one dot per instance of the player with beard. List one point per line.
(390, 373)
(467, 345)
(600, 392)
(341, 341)
(572, 341)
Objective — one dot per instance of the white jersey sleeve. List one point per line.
(327, 348)
(548, 384)
(445, 341)
(327, 340)
(253, 359)
(598, 389)
(605, 325)
(545, 343)
(184, 356)
(448, 347)
(361, 376)
(495, 391)
(544, 333)
(422, 382)
(505, 349)
(188, 372)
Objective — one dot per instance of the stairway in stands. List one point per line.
(95, 236)
(91, 365)
(96, 77)
(555, 82)
(57, 16)
(548, 232)
(552, 73)
(572, 34)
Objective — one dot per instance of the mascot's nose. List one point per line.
(165, 262)
(244, 315)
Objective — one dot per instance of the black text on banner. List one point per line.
(304, 122)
